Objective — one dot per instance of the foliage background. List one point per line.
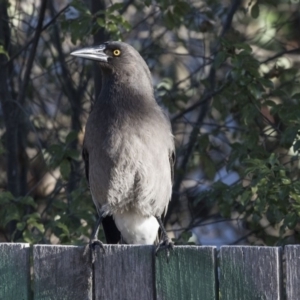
(226, 71)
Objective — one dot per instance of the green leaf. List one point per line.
(181, 8)
(286, 181)
(28, 237)
(34, 216)
(28, 201)
(255, 90)
(60, 204)
(244, 46)
(126, 24)
(220, 58)
(72, 153)
(170, 20)
(63, 227)
(288, 137)
(208, 166)
(166, 84)
(274, 214)
(11, 214)
(57, 152)
(255, 11)
(147, 2)
(256, 218)
(21, 226)
(270, 103)
(39, 226)
(115, 7)
(296, 96)
(3, 51)
(80, 5)
(203, 143)
(245, 198)
(291, 220)
(6, 197)
(65, 169)
(273, 160)
(267, 83)
(112, 27)
(72, 136)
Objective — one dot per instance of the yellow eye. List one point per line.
(117, 52)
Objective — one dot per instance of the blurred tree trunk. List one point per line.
(10, 112)
(9, 107)
(74, 97)
(99, 37)
(13, 109)
(22, 118)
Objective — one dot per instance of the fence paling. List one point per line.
(189, 274)
(292, 254)
(61, 272)
(133, 272)
(124, 272)
(250, 273)
(14, 271)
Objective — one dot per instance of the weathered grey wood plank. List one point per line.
(250, 273)
(292, 255)
(14, 271)
(124, 272)
(189, 274)
(61, 272)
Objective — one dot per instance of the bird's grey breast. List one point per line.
(132, 159)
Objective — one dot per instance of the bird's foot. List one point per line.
(92, 246)
(165, 245)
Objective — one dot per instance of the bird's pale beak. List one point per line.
(93, 53)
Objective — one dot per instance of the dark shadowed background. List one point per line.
(226, 72)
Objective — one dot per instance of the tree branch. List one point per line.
(22, 130)
(9, 108)
(199, 103)
(202, 113)
(12, 57)
(38, 31)
(296, 51)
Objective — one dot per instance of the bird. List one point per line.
(128, 150)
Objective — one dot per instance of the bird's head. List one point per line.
(117, 58)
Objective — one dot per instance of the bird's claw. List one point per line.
(92, 246)
(94, 243)
(166, 245)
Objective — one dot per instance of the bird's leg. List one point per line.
(94, 239)
(165, 242)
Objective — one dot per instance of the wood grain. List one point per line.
(124, 272)
(189, 274)
(14, 271)
(292, 256)
(248, 272)
(61, 272)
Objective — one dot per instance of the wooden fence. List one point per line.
(133, 272)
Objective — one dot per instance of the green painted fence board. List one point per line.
(250, 273)
(189, 274)
(133, 272)
(292, 256)
(14, 271)
(61, 272)
(124, 272)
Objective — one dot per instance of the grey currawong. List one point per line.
(128, 148)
